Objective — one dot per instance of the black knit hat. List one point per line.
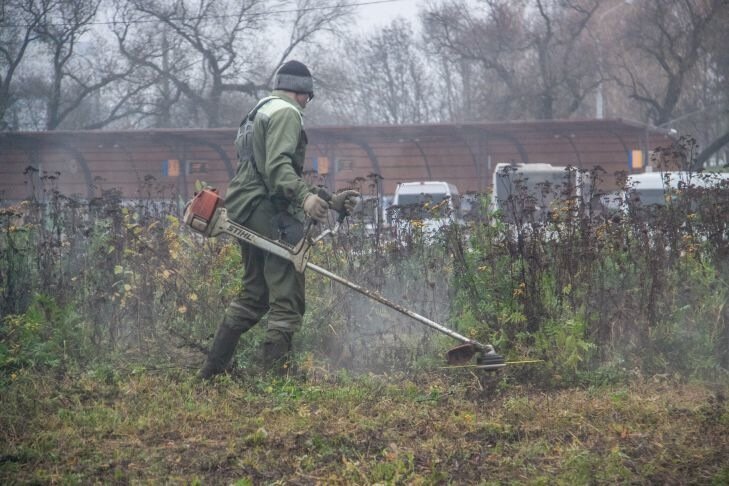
(294, 76)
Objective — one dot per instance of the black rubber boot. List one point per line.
(277, 353)
(221, 351)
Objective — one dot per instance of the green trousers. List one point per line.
(270, 285)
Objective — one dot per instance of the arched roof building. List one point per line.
(165, 162)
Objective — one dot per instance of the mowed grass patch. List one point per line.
(424, 429)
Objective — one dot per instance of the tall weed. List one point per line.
(638, 288)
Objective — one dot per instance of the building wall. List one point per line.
(166, 163)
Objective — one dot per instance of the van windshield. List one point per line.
(419, 199)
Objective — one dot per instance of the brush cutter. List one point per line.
(206, 215)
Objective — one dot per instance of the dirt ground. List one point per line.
(430, 428)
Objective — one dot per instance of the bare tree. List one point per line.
(310, 18)
(206, 49)
(384, 79)
(58, 72)
(562, 75)
(528, 58)
(191, 48)
(81, 68)
(488, 44)
(716, 67)
(661, 46)
(671, 59)
(19, 20)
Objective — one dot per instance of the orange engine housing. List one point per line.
(205, 203)
(200, 212)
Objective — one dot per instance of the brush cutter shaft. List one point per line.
(219, 224)
(375, 296)
(224, 225)
(297, 255)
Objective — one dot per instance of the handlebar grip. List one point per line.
(324, 194)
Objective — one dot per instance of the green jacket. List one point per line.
(270, 160)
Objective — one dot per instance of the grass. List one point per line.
(422, 428)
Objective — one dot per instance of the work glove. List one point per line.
(316, 208)
(344, 202)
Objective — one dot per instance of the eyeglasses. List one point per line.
(309, 96)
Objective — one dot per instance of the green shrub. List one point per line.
(45, 336)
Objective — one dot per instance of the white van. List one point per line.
(656, 188)
(370, 213)
(528, 192)
(433, 203)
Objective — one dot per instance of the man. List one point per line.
(269, 196)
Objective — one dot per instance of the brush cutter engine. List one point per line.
(200, 213)
(206, 215)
